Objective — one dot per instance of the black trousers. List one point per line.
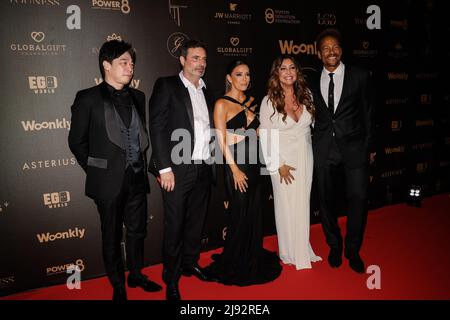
(184, 215)
(128, 209)
(329, 183)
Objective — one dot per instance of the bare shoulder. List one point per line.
(221, 107)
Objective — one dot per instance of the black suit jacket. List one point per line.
(95, 140)
(352, 122)
(170, 108)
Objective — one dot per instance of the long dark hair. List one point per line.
(231, 66)
(276, 93)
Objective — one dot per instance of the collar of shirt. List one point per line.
(188, 84)
(114, 92)
(338, 72)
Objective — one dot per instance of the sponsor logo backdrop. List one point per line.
(49, 51)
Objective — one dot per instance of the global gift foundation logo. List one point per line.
(39, 47)
(365, 50)
(234, 49)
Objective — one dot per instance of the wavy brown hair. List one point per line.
(276, 92)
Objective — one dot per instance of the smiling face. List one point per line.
(240, 77)
(287, 72)
(119, 72)
(330, 53)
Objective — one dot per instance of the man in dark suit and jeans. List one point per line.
(108, 137)
(343, 143)
(180, 118)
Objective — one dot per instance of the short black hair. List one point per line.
(113, 49)
(329, 32)
(191, 44)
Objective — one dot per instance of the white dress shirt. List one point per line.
(202, 135)
(338, 80)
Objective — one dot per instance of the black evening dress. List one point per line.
(243, 260)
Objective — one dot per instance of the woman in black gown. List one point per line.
(243, 260)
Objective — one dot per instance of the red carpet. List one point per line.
(410, 245)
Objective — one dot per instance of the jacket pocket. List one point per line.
(97, 162)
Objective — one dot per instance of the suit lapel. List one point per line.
(209, 105)
(143, 137)
(111, 124)
(321, 101)
(345, 90)
(186, 101)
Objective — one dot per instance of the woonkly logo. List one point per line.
(32, 125)
(68, 234)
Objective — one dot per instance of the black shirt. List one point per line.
(122, 102)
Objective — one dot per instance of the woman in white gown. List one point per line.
(286, 115)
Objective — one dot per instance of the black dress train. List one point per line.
(243, 260)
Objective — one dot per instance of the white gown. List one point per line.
(289, 143)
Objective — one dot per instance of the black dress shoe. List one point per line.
(144, 283)
(120, 294)
(198, 272)
(335, 257)
(172, 293)
(356, 263)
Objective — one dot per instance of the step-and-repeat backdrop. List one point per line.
(49, 50)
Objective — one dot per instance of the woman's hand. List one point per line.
(285, 174)
(240, 180)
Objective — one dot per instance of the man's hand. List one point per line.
(167, 181)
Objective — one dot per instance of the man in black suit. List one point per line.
(343, 143)
(108, 137)
(181, 107)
